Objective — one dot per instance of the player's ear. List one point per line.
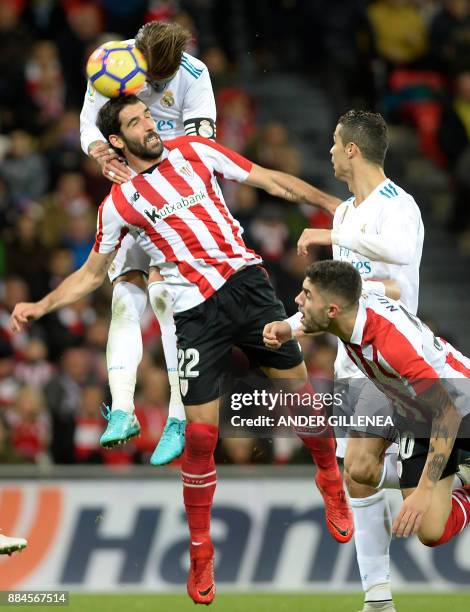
(116, 141)
(333, 310)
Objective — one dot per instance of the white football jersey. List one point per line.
(183, 106)
(383, 239)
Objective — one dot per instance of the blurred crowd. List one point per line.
(410, 59)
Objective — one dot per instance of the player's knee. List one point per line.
(428, 540)
(160, 298)
(430, 533)
(128, 303)
(135, 277)
(362, 468)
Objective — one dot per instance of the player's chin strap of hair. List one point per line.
(200, 126)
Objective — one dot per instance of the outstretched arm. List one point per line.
(82, 282)
(291, 188)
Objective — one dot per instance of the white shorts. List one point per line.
(361, 397)
(130, 256)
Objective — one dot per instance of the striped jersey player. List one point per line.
(401, 356)
(177, 214)
(222, 297)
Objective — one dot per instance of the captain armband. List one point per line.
(200, 127)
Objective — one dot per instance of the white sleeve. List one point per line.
(92, 103)
(372, 285)
(396, 241)
(199, 110)
(199, 100)
(110, 228)
(294, 322)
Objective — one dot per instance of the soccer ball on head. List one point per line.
(116, 68)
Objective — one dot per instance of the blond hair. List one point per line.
(163, 45)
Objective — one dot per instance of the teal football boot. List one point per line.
(122, 426)
(171, 444)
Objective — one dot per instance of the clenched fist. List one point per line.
(275, 334)
(311, 237)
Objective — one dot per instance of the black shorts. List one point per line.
(235, 315)
(413, 454)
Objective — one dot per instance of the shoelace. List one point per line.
(106, 415)
(118, 417)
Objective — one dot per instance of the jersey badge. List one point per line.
(186, 171)
(184, 384)
(206, 129)
(167, 99)
(363, 228)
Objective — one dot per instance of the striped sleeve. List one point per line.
(110, 227)
(397, 350)
(223, 161)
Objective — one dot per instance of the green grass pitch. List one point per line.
(259, 602)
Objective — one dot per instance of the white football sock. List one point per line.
(373, 534)
(389, 478)
(124, 348)
(162, 301)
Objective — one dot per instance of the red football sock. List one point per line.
(322, 447)
(199, 477)
(459, 516)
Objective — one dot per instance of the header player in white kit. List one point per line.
(179, 94)
(380, 232)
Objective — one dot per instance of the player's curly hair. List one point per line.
(162, 45)
(366, 130)
(337, 277)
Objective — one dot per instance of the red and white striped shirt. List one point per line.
(401, 355)
(177, 214)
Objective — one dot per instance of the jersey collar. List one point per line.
(152, 168)
(360, 323)
(372, 194)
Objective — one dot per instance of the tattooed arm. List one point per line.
(445, 426)
(291, 188)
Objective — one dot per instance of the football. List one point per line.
(116, 68)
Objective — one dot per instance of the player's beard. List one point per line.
(315, 323)
(151, 148)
